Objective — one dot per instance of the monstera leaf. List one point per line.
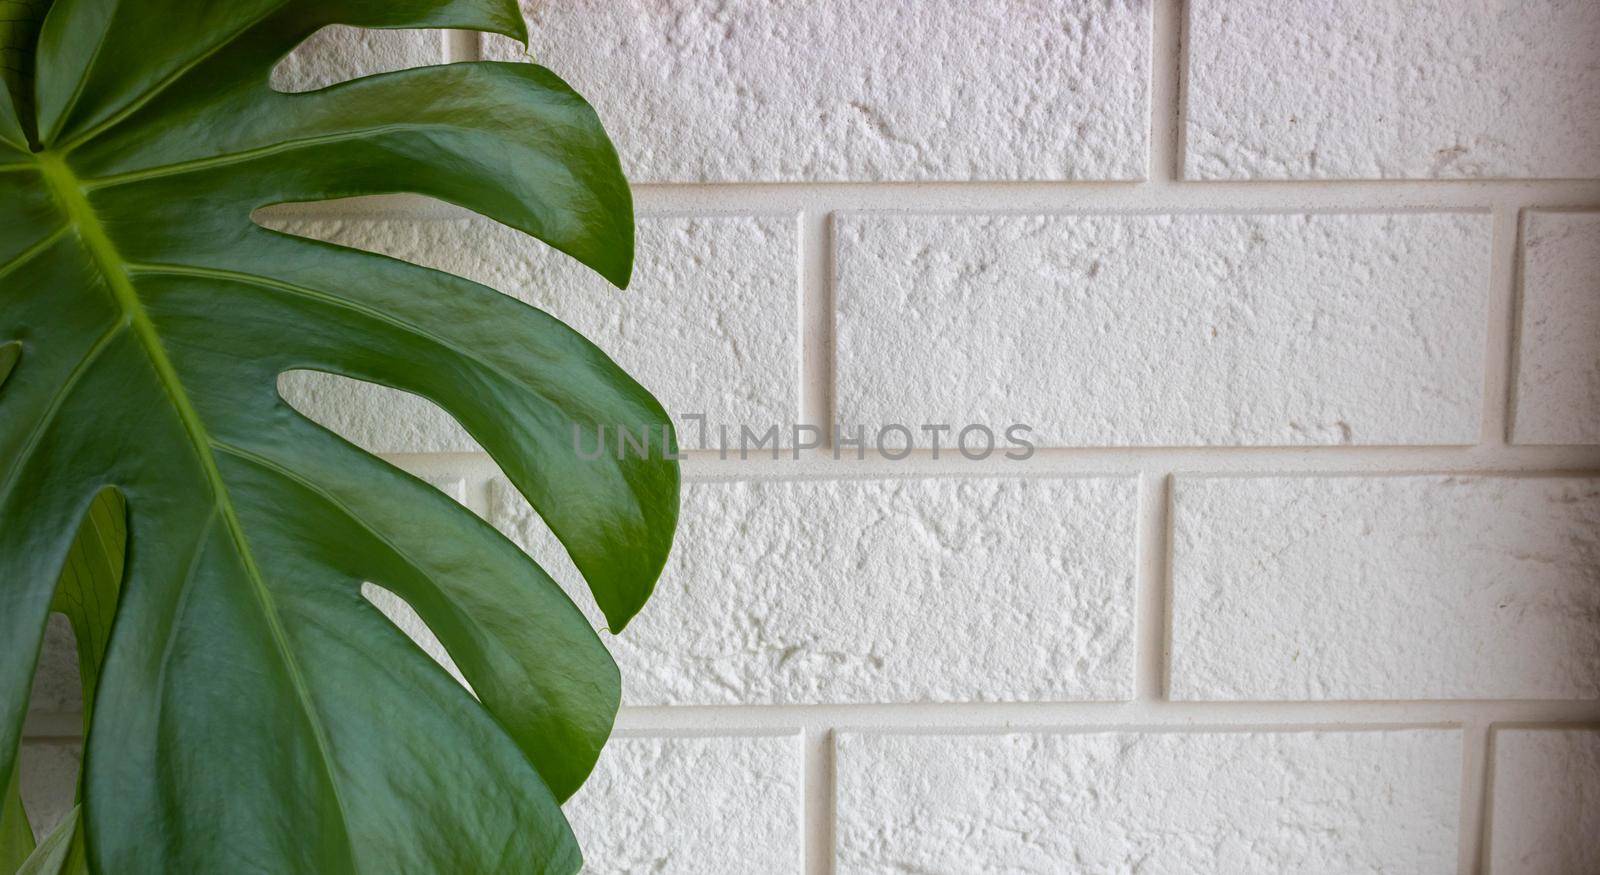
(252, 711)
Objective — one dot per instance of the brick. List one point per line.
(1385, 588)
(1558, 356)
(1160, 802)
(1545, 802)
(56, 687)
(878, 591)
(49, 782)
(690, 806)
(856, 89)
(709, 324)
(1276, 329)
(1380, 90)
(338, 53)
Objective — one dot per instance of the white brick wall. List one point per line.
(1271, 329)
(1323, 588)
(1546, 801)
(1302, 302)
(337, 53)
(1375, 89)
(49, 781)
(688, 804)
(886, 593)
(1558, 361)
(857, 89)
(1241, 802)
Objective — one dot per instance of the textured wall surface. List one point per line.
(1301, 301)
(1541, 801)
(1154, 801)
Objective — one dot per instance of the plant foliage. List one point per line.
(247, 708)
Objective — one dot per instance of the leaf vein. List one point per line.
(337, 302)
(56, 400)
(33, 251)
(155, 90)
(177, 169)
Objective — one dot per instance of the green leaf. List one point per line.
(8, 358)
(16, 835)
(88, 588)
(253, 711)
(61, 852)
(87, 594)
(19, 30)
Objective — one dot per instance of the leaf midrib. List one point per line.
(68, 192)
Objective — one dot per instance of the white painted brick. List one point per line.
(856, 89)
(691, 806)
(1385, 588)
(49, 782)
(1558, 359)
(56, 686)
(1162, 802)
(1167, 329)
(338, 53)
(1377, 89)
(878, 591)
(1545, 802)
(709, 325)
